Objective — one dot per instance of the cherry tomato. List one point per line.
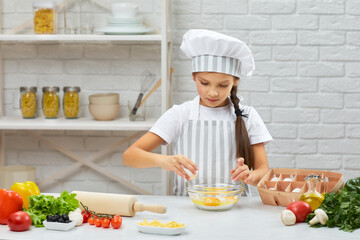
(300, 209)
(91, 221)
(116, 222)
(97, 222)
(19, 221)
(85, 215)
(105, 223)
(116, 216)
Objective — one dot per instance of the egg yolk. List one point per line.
(211, 201)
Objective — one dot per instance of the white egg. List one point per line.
(296, 190)
(287, 180)
(275, 179)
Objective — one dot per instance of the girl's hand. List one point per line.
(241, 172)
(177, 163)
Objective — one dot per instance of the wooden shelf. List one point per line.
(77, 38)
(121, 124)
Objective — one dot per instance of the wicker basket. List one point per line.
(277, 186)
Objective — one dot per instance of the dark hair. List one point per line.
(243, 147)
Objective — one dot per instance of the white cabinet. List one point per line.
(163, 38)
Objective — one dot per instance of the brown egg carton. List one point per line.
(278, 185)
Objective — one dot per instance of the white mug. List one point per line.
(124, 10)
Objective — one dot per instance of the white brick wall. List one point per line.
(306, 85)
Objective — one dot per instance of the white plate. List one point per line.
(132, 26)
(59, 226)
(160, 230)
(124, 31)
(127, 19)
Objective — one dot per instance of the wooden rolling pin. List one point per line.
(115, 204)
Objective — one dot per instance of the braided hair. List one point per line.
(243, 147)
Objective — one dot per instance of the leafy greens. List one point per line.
(343, 210)
(42, 205)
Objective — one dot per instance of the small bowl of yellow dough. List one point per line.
(214, 194)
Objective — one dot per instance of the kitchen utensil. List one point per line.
(214, 194)
(146, 83)
(119, 204)
(157, 84)
(281, 186)
(140, 113)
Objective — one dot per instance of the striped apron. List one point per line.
(210, 144)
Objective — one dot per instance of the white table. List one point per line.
(249, 219)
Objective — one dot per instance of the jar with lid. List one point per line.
(71, 102)
(44, 17)
(51, 102)
(28, 102)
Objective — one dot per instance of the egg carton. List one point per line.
(281, 186)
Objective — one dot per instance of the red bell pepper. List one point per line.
(10, 202)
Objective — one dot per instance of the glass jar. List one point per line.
(51, 102)
(71, 102)
(44, 18)
(312, 196)
(28, 102)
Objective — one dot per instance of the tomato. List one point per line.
(211, 201)
(105, 223)
(300, 209)
(85, 215)
(97, 222)
(116, 222)
(19, 221)
(91, 221)
(10, 202)
(116, 216)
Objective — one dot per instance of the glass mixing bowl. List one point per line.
(214, 194)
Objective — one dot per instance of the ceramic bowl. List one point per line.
(104, 98)
(211, 194)
(124, 10)
(106, 112)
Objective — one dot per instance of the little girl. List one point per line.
(213, 134)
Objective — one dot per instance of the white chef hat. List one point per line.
(215, 52)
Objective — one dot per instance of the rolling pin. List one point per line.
(115, 204)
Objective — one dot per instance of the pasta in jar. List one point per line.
(44, 18)
(28, 102)
(50, 102)
(71, 102)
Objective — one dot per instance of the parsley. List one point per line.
(343, 210)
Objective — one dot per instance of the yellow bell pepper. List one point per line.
(25, 190)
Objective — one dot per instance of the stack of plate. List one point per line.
(125, 26)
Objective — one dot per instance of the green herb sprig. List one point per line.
(343, 210)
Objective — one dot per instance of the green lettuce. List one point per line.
(42, 205)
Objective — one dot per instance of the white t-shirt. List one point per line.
(171, 123)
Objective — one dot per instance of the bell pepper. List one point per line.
(10, 202)
(26, 190)
(353, 185)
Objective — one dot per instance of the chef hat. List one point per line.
(215, 52)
